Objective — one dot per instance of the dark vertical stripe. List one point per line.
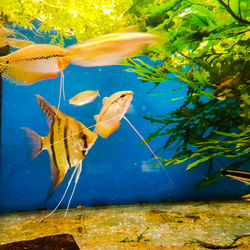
(52, 145)
(84, 137)
(65, 135)
(83, 153)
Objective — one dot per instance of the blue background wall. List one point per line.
(115, 171)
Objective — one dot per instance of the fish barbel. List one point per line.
(67, 143)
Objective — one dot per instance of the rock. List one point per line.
(60, 241)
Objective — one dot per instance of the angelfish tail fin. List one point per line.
(36, 141)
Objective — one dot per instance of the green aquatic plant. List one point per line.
(205, 49)
(68, 18)
(139, 237)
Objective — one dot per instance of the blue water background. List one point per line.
(116, 170)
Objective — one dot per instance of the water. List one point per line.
(116, 170)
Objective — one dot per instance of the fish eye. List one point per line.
(7, 62)
(123, 95)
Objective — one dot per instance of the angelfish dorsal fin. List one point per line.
(47, 109)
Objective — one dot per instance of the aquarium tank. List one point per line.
(190, 106)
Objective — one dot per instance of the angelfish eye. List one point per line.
(7, 62)
(122, 96)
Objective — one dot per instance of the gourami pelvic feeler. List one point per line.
(42, 61)
(67, 143)
(113, 110)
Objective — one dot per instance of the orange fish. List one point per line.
(113, 109)
(110, 49)
(42, 61)
(67, 143)
(34, 63)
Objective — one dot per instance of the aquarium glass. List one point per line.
(170, 82)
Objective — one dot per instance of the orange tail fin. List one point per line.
(36, 142)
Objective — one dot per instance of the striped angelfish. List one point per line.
(68, 142)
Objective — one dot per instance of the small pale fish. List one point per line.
(84, 97)
(67, 143)
(113, 109)
(243, 176)
(110, 49)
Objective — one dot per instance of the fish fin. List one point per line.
(105, 132)
(62, 196)
(36, 141)
(47, 109)
(20, 76)
(246, 197)
(79, 170)
(104, 100)
(55, 176)
(96, 117)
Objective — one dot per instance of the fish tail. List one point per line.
(35, 140)
(243, 176)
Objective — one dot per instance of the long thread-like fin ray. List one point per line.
(62, 196)
(79, 167)
(156, 157)
(63, 85)
(60, 91)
